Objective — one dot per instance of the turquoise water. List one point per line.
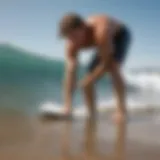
(27, 81)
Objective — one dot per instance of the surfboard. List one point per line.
(57, 111)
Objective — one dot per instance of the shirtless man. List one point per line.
(111, 39)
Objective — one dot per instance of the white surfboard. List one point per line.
(55, 110)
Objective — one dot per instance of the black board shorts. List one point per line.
(121, 43)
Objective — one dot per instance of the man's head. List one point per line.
(72, 27)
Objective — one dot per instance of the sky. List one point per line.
(32, 24)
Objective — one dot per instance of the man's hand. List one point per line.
(93, 76)
(85, 82)
(82, 84)
(67, 110)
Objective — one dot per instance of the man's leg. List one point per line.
(119, 89)
(89, 91)
(89, 95)
(122, 43)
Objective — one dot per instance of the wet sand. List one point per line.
(26, 138)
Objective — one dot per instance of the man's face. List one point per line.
(77, 36)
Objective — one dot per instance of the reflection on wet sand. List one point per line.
(15, 129)
(89, 148)
(30, 139)
(120, 142)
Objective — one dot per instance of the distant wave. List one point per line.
(15, 60)
(17, 65)
(144, 80)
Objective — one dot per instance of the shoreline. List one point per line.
(30, 138)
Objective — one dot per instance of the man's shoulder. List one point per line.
(71, 48)
(96, 17)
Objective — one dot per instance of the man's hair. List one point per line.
(69, 22)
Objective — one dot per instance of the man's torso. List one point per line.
(95, 22)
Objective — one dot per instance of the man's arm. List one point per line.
(70, 78)
(105, 47)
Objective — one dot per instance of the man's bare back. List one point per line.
(111, 39)
(96, 24)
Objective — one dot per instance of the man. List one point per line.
(111, 39)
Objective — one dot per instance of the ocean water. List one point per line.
(27, 81)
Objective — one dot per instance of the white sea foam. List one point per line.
(148, 95)
(144, 80)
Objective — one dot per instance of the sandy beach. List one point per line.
(26, 138)
(50, 53)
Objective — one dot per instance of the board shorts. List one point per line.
(121, 43)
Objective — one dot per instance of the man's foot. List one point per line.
(119, 117)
